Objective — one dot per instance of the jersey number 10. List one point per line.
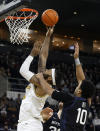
(81, 113)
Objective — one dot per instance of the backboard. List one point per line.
(8, 7)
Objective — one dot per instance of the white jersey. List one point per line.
(32, 105)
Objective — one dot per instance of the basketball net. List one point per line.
(19, 25)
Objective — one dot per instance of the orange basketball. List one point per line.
(50, 17)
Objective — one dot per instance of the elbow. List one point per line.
(25, 73)
(21, 71)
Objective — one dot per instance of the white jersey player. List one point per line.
(29, 116)
(31, 107)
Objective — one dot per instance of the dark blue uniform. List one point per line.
(53, 124)
(75, 111)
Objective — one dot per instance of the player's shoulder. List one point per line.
(80, 99)
(30, 87)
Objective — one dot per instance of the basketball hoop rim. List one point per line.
(24, 10)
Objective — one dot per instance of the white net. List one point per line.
(19, 25)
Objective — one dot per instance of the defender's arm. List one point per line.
(79, 71)
(59, 96)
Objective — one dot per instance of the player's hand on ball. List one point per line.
(50, 31)
(76, 54)
(36, 48)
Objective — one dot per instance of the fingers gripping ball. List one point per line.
(50, 17)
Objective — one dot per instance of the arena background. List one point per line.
(78, 21)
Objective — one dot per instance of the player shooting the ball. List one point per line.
(30, 110)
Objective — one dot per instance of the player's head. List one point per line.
(49, 76)
(53, 77)
(85, 89)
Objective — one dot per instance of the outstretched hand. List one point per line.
(50, 31)
(76, 53)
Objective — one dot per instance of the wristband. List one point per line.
(53, 77)
(77, 61)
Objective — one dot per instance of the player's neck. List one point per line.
(39, 92)
(77, 95)
(89, 101)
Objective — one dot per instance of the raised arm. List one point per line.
(45, 50)
(24, 70)
(79, 71)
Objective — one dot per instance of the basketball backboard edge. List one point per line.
(10, 7)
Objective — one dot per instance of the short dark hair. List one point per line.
(88, 89)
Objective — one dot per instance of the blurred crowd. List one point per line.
(9, 110)
(66, 80)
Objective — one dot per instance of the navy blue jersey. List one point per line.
(75, 111)
(53, 124)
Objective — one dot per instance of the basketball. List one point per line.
(50, 17)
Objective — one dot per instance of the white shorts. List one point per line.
(30, 125)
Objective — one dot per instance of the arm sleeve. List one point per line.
(24, 70)
(62, 96)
